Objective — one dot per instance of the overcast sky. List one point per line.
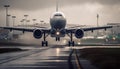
(76, 11)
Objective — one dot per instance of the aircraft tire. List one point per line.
(71, 43)
(46, 43)
(42, 43)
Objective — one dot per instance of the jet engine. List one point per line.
(37, 34)
(79, 33)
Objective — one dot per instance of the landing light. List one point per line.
(57, 33)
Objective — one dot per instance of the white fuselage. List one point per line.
(58, 23)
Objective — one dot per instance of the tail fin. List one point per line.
(57, 6)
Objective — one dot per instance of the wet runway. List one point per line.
(52, 57)
(37, 58)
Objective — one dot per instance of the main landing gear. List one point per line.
(71, 42)
(44, 43)
(57, 38)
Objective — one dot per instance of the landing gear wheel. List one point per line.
(44, 43)
(71, 43)
(57, 38)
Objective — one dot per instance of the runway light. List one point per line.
(64, 41)
(57, 33)
(114, 38)
(57, 52)
(78, 43)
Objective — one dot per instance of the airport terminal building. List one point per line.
(115, 30)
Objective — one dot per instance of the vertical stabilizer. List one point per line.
(56, 5)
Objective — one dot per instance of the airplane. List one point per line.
(58, 29)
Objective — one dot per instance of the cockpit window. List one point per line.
(58, 15)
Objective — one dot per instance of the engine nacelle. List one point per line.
(37, 34)
(79, 33)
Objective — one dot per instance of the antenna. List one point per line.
(56, 5)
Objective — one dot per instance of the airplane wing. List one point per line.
(23, 29)
(97, 28)
(89, 29)
(79, 26)
(18, 28)
(48, 30)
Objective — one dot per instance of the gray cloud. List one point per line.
(75, 10)
(39, 4)
(28, 4)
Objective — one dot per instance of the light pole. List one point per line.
(26, 18)
(97, 23)
(9, 19)
(42, 22)
(7, 6)
(13, 17)
(28, 21)
(97, 20)
(34, 21)
(23, 20)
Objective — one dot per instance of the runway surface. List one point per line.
(52, 57)
(36, 58)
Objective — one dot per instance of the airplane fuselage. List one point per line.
(58, 23)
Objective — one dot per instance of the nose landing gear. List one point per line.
(57, 38)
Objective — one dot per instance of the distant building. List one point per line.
(116, 29)
(4, 34)
(7, 35)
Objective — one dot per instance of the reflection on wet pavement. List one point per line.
(52, 58)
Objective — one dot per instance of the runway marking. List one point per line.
(23, 55)
(25, 47)
(77, 60)
(26, 66)
(56, 62)
(84, 47)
